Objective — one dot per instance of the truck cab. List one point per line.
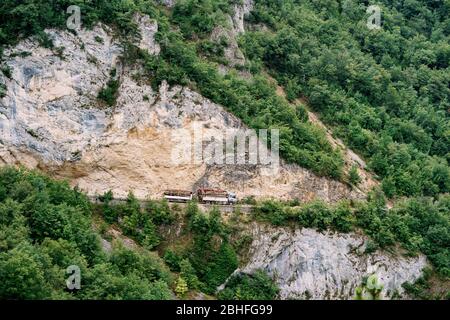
(232, 199)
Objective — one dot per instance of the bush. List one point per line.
(173, 260)
(316, 215)
(7, 71)
(219, 267)
(198, 17)
(354, 177)
(181, 287)
(22, 274)
(256, 286)
(138, 224)
(109, 93)
(110, 213)
(272, 211)
(343, 218)
(188, 273)
(2, 90)
(160, 212)
(213, 258)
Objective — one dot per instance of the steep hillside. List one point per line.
(358, 207)
(53, 120)
(383, 90)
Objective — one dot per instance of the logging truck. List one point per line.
(216, 196)
(203, 195)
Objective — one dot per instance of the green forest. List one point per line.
(384, 92)
(45, 227)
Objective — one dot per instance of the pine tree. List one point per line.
(188, 272)
(181, 288)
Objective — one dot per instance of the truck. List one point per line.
(217, 196)
(204, 195)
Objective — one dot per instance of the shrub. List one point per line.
(181, 287)
(354, 177)
(272, 211)
(160, 212)
(173, 260)
(188, 273)
(109, 93)
(2, 90)
(256, 286)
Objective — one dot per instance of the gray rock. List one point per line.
(168, 3)
(240, 11)
(306, 263)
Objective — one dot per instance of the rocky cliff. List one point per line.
(308, 264)
(51, 119)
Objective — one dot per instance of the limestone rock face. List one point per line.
(240, 10)
(52, 119)
(230, 32)
(148, 28)
(50, 108)
(308, 264)
(232, 53)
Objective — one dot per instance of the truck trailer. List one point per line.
(178, 195)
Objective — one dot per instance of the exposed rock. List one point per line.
(51, 119)
(232, 53)
(106, 245)
(147, 28)
(307, 264)
(290, 182)
(240, 11)
(234, 26)
(50, 108)
(117, 235)
(168, 3)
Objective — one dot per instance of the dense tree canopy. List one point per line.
(45, 227)
(386, 91)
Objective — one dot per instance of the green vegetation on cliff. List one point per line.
(255, 101)
(419, 224)
(45, 227)
(385, 92)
